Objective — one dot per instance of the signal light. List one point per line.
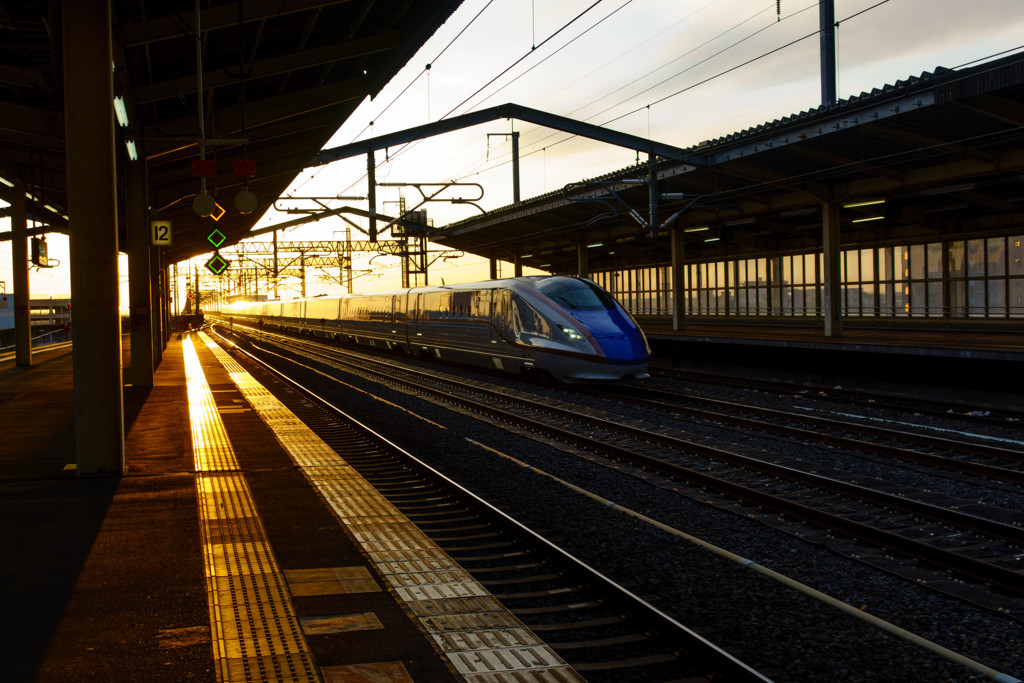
(217, 264)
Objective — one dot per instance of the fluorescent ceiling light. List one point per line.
(6, 182)
(712, 239)
(595, 245)
(133, 153)
(702, 228)
(869, 202)
(121, 111)
(866, 220)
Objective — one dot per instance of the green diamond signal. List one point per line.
(217, 264)
(216, 238)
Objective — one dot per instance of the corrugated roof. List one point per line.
(919, 142)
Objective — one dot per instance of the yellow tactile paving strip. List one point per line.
(256, 636)
(481, 639)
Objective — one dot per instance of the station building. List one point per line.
(899, 205)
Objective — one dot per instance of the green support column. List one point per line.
(92, 211)
(832, 305)
(678, 281)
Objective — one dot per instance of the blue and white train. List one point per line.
(565, 327)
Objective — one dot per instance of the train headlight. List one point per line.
(572, 334)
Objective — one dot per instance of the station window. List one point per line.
(956, 279)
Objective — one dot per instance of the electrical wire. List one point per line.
(552, 54)
(692, 86)
(707, 42)
(424, 70)
(503, 72)
(395, 99)
(553, 134)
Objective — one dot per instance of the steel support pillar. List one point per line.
(775, 277)
(139, 278)
(582, 262)
(655, 219)
(832, 304)
(678, 280)
(517, 269)
(515, 167)
(371, 194)
(19, 263)
(277, 269)
(92, 208)
(827, 42)
(158, 295)
(494, 267)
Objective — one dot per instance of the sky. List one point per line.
(679, 72)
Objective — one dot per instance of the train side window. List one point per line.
(481, 305)
(431, 306)
(576, 294)
(527, 322)
(500, 313)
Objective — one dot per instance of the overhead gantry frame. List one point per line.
(653, 148)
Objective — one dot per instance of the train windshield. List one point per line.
(576, 294)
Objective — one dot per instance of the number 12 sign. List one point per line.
(160, 233)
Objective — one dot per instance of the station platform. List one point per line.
(221, 554)
(1000, 342)
(974, 363)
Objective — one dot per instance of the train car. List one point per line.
(564, 327)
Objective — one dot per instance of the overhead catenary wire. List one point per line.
(504, 71)
(553, 134)
(677, 74)
(576, 18)
(394, 100)
(688, 88)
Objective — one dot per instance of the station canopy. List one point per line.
(929, 157)
(922, 159)
(278, 77)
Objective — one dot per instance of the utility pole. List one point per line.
(827, 24)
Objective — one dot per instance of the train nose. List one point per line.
(616, 334)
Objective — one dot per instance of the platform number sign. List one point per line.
(160, 233)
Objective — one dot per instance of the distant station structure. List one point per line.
(899, 207)
(902, 204)
(50, 318)
(159, 131)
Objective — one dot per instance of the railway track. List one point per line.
(959, 456)
(887, 401)
(601, 628)
(979, 546)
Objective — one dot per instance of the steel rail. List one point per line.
(726, 664)
(977, 569)
(939, 461)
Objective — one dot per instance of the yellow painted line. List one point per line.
(482, 640)
(256, 636)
